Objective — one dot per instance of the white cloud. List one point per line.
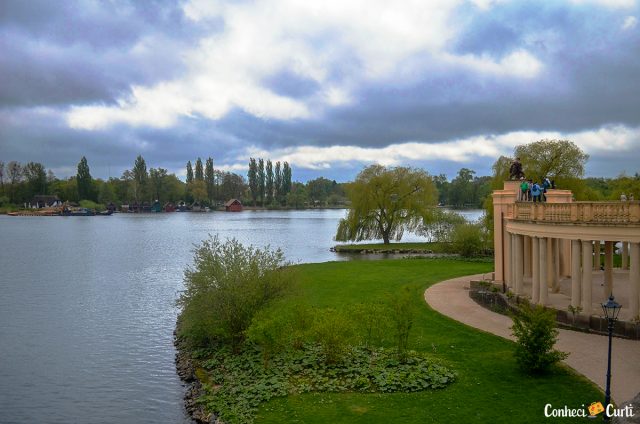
(612, 4)
(611, 138)
(630, 22)
(359, 40)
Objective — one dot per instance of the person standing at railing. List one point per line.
(524, 190)
(546, 184)
(536, 191)
(623, 197)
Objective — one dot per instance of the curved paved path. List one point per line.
(588, 352)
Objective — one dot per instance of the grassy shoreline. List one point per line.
(417, 247)
(488, 388)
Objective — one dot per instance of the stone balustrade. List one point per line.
(608, 213)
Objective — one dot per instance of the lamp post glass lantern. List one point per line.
(611, 310)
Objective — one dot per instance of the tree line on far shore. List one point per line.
(271, 185)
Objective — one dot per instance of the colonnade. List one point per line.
(545, 260)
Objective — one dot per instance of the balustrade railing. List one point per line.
(579, 212)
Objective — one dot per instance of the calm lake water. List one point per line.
(87, 307)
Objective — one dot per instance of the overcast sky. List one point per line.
(329, 86)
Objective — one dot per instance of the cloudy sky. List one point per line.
(329, 86)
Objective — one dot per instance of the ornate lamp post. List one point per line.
(611, 309)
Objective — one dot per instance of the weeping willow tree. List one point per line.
(386, 202)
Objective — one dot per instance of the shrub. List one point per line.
(334, 332)
(226, 286)
(535, 330)
(468, 240)
(402, 311)
(372, 322)
(89, 204)
(280, 327)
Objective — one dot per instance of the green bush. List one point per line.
(89, 204)
(372, 321)
(469, 240)
(226, 287)
(535, 330)
(402, 313)
(334, 332)
(280, 327)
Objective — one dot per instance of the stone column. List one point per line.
(555, 281)
(596, 255)
(625, 255)
(535, 270)
(507, 259)
(544, 285)
(550, 266)
(519, 263)
(634, 280)
(513, 260)
(575, 273)
(587, 263)
(608, 269)
(527, 256)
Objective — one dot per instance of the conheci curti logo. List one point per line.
(587, 411)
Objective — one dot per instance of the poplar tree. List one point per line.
(278, 182)
(286, 179)
(199, 170)
(269, 183)
(261, 181)
(209, 178)
(253, 179)
(189, 173)
(141, 177)
(84, 180)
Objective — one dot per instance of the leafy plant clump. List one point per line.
(535, 330)
(226, 287)
(238, 383)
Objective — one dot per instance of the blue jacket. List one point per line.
(535, 190)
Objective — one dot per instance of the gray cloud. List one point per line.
(56, 55)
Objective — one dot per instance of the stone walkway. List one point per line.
(588, 352)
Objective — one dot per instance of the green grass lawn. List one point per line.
(489, 387)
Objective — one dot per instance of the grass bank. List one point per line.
(434, 247)
(489, 387)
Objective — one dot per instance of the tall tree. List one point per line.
(286, 179)
(277, 182)
(157, 178)
(36, 177)
(141, 177)
(189, 172)
(199, 170)
(253, 179)
(1, 177)
(461, 188)
(555, 159)
(269, 183)
(209, 178)
(14, 171)
(387, 201)
(261, 181)
(84, 180)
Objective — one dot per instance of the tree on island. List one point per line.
(141, 177)
(189, 172)
(385, 202)
(84, 180)
(199, 170)
(253, 179)
(269, 182)
(210, 180)
(261, 181)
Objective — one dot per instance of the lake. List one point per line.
(87, 306)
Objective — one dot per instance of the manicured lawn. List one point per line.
(489, 387)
